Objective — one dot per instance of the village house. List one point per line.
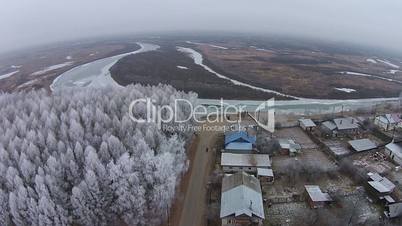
(307, 124)
(239, 142)
(388, 122)
(340, 127)
(232, 163)
(241, 201)
(315, 197)
(394, 151)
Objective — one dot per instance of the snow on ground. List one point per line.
(16, 66)
(53, 67)
(388, 63)
(371, 61)
(182, 67)
(346, 90)
(8, 74)
(370, 76)
(212, 45)
(69, 57)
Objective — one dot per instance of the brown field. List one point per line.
(304, 73)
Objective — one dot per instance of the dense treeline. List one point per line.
(75, 157)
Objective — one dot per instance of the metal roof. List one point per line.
(255, 160)
(379, 187)
(346, 123)
(362, 145)
(393, 118)
(381, 184)
(238, 198)
(265, 172)
(239, 146)
(307, 122)
(329, 125)
(395, 148)
(238, 179)
(316, 195)
(239, 136)
(288, 144)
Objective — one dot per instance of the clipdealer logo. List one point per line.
(263, 114)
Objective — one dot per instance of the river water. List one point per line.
(96, 73)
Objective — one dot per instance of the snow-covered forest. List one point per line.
(75, 157)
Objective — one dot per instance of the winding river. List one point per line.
(96, 73)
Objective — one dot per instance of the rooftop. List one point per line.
(316, 194)
(390, 118)
(362, 145)
(241, 195)
(239, 136)
(307, 122)
(255, 160)
(288, 144)
(346, 123)
(239, 146)
(265, 172)
(395, 148)
(381, 184)
(329, 125)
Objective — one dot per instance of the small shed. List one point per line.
(316, 198)
(362, 145)
(266, 176)
(244, 162)
(380, 185)
(307, 124)
(289, 147)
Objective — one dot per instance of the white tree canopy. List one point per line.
(75, 157)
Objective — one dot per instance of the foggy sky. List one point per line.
(31, 22)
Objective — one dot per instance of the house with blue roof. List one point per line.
(239, 141)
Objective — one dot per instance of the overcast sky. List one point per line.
(31, 22)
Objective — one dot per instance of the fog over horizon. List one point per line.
(25, 23)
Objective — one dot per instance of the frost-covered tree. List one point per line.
(74, 157)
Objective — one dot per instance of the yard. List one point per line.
(285, 198)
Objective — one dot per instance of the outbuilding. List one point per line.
(266, 176)
(380, 186)
(232, 163)
(307, 124)
(362, 145)
(316, 198)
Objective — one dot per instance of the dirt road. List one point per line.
(194, 205)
